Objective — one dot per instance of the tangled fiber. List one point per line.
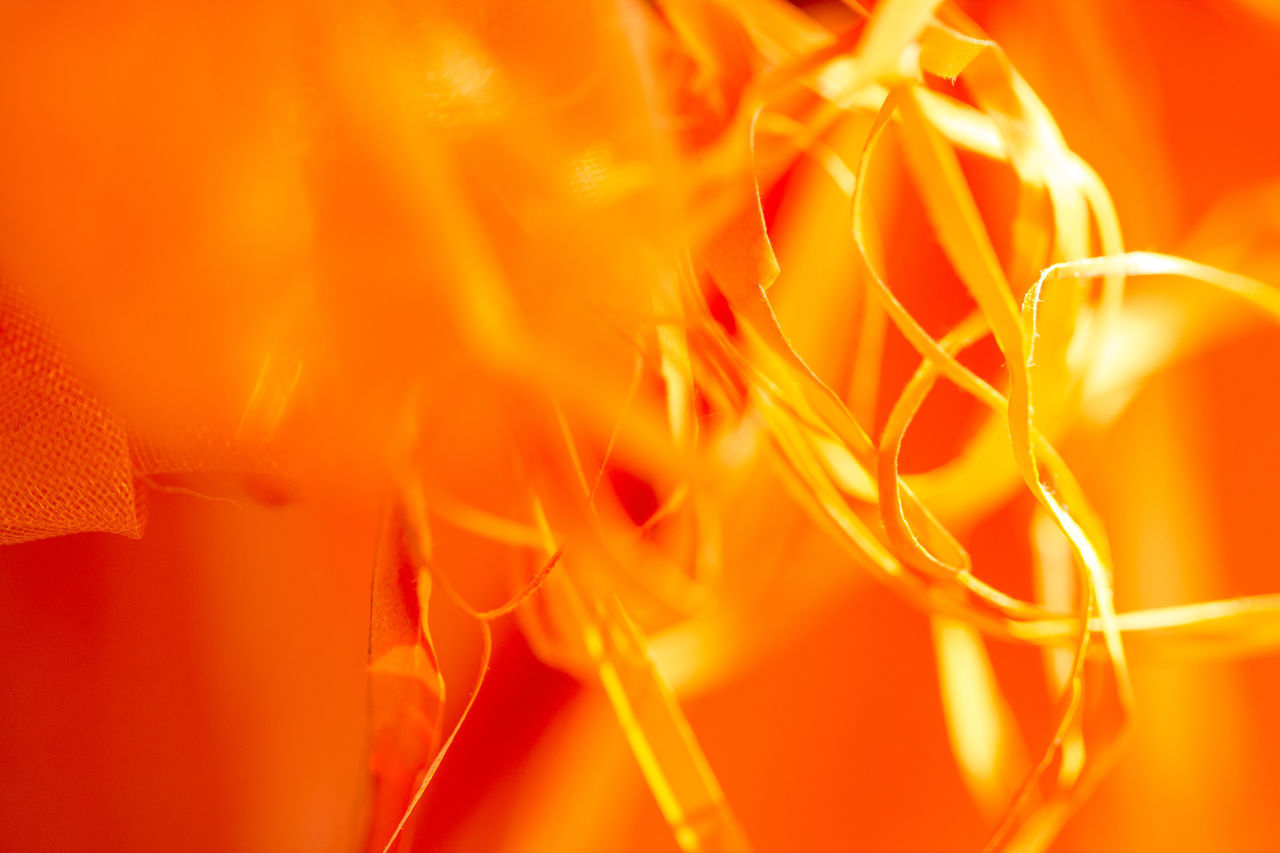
(654, 330)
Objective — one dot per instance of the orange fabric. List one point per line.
(64, 457)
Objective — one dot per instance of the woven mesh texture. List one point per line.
(64, 459)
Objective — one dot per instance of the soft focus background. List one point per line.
(203, 688)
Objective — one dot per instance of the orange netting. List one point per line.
(64, 458)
